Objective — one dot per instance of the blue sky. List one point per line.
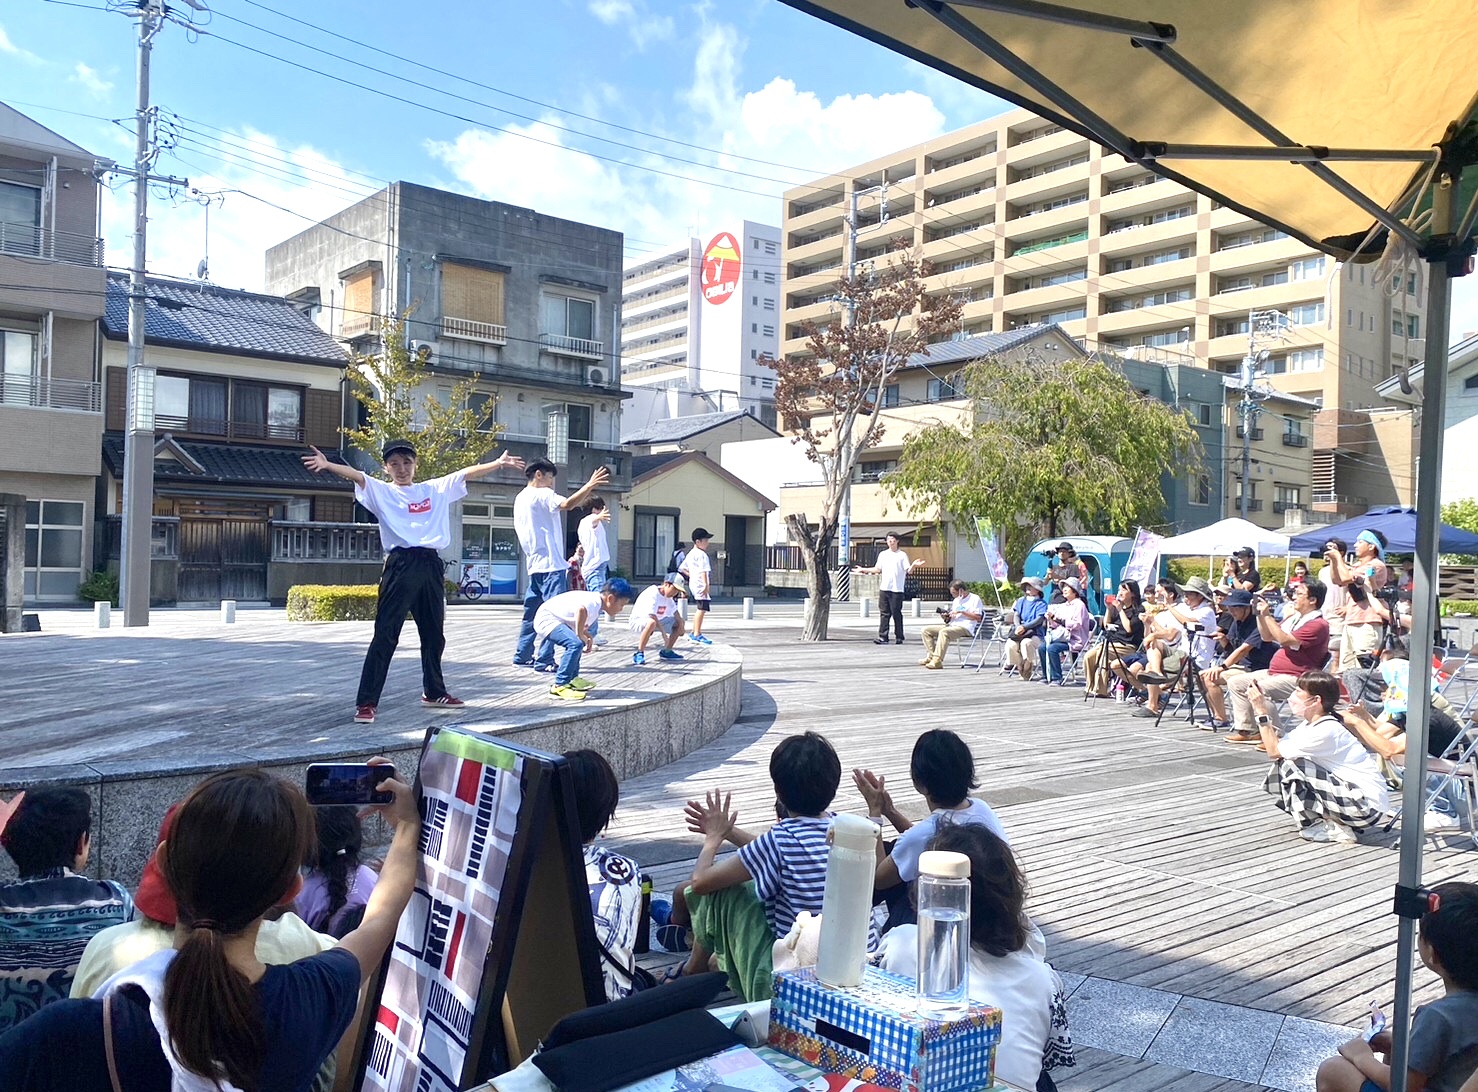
(283, 145)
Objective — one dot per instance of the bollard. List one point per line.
(102, 614)
(864, 608)
(805, 605)
(228, 612)
(918, 608)
(749, 608)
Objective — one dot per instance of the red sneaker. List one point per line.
(365, 714)
(446, 701)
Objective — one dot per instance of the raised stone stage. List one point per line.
(137, 716)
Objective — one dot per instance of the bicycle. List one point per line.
(467, 588)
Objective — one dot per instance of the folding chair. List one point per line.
(989, 635)
(1464, 670)
(1073, 672)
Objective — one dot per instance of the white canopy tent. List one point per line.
(1224, 536)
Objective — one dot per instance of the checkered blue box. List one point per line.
(874, 1032)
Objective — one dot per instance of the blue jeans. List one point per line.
(569, 664)
(595, 579)
(1051, 659)
(542, 586)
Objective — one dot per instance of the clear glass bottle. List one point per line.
(944, 932)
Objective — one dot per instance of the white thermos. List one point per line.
(846, 904)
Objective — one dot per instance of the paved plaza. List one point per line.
(1208, 948)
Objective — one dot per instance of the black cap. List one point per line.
(1245, 551)
(392, 446)
(699, 532)
(1239, 597)
(1066, 546)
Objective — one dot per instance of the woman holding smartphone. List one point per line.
(1322, 774)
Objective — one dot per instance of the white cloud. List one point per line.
(11, 49)
(611, 12)
(643, 27)
(87, 76)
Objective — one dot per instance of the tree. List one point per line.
(1051, 438)
(1462, 514)
(829, 397)
(393, 388)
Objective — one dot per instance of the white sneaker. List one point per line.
(1317, 832)
(1437, 820)
(1342, 834)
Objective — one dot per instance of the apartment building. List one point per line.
(51, 297)
(1027, 223)
(696, 319)
(527, 304)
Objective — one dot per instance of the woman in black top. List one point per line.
(1123, 633)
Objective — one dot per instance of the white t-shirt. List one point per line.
(893, 570)
(651, 603)
(1336, 750)
(969, 602)
(413, 515)
(593, 538)
(915, 839)
(539, 522)
(1335, 598)
(1019, 984)
(1204, 645)
(700, 573)
(564, 609)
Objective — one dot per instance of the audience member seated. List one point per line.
(1243, 649)
(1068, 627)
(740, 906)
(1030, 611)
(1004, 972)
(1300, 575)
(1303, 645)
(943, 773)
(280, 940)
(1166, 594)
(336, 890)
(1123, 634)
(1322, 774)
(1184, 628)
(614, 880)
(48, 915)
(207, 1011)
(960, 619)
(1443, 1042)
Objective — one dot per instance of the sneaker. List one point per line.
(875, 640)
(1211, 724)
(701, 640)
(638, 658)
(1342, 834)
(1144, 711)
(566, 693)
(523, 663)
(446, 701)
(364, 714)
(1317, 832)
(933, 665)
(668, 654)
(582, 685)
(540, 665)
(926, 661)
(675, 938)
(1436, 820)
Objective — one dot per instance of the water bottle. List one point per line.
(846, 901)
(944, 932)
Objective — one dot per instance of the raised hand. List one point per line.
(317, 462)
(874, 791)
(711, 818)
(514, 461)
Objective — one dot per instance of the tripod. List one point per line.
(1189, 676)
(1103, 670)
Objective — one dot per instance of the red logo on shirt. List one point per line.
(417, 507)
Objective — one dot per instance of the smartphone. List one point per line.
(347, 783)
(1377, 1023)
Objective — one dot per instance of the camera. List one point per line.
(1357, 591)
(943, 612)
(1194, 627)
(1047, 553)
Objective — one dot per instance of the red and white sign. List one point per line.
(721, 267)
(418, 507)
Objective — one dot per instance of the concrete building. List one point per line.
(529, 304)
(696, 320)
(51, 296)
(1029, 223)
(1460, 425)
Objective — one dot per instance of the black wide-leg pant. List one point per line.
(890, 607)
(412, 580)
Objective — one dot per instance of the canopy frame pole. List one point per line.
(1297, 153)
(1104, 132)
(1244, 113)
(1137, 29)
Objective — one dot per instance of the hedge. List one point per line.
(1451, 607)
(332, 603)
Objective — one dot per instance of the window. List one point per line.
(361, 304)
(1201, 490)
(484, 406)
(53, 549)
(754, 327)
(20, 218)
(208, 406)
(1278, 276)
(1229, 327)
(579, 418)
(1306, 314)
(1166, 337)
(1413, 326)
(1121, 265)
(1285, 497)
(471, 294)
(1471, 383)
(1306, 360)
(17, 367)
(1066, 315)
(1234, 284)
(654, 538)
(769, 305)
(1411, 284)
(754, 274)
(1162, 256)
(1307, 269)
(890, 395)
(873, 470)
(768, 331)
(769, 278)
(1203, 414)
(942, 390)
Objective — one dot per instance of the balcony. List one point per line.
(229, 430)
(564, 345)
(41, 393)
(489, 333)
(357, 324)
(1279, 507)
(1253, 504)
(31, 241)
(1257, 433)
(1295, 439)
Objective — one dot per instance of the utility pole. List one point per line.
(1262, 327)
(138, 440)
(842, 585)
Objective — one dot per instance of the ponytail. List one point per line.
(211, 1010)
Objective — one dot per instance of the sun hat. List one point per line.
(1198, 585)
(1032, 581)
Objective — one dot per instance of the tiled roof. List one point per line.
(230, 464)
(982, 345)
(681, 428)
(645, 464)
(223, 320)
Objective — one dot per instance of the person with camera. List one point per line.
(1365, 617)
(1030, 611)
(1241, 572)
(960, 619)
(1243, 648)
(1186, 628)
(1303, 645)
(1123, 632)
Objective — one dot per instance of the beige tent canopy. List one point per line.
(1346, 123)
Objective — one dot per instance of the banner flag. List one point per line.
(1144, 558)
(991, 547)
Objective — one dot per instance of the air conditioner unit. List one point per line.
(595, 377)
(423, 349)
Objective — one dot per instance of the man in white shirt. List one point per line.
(893, 567)
(570, 620)
(656, 611)
(698, 572)
(539, 522)
(1187, 626)
(960, 619)
(595, 552)
(414, 527)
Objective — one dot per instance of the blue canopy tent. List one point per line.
(1397, 524)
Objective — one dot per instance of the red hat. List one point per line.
(154, 898)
